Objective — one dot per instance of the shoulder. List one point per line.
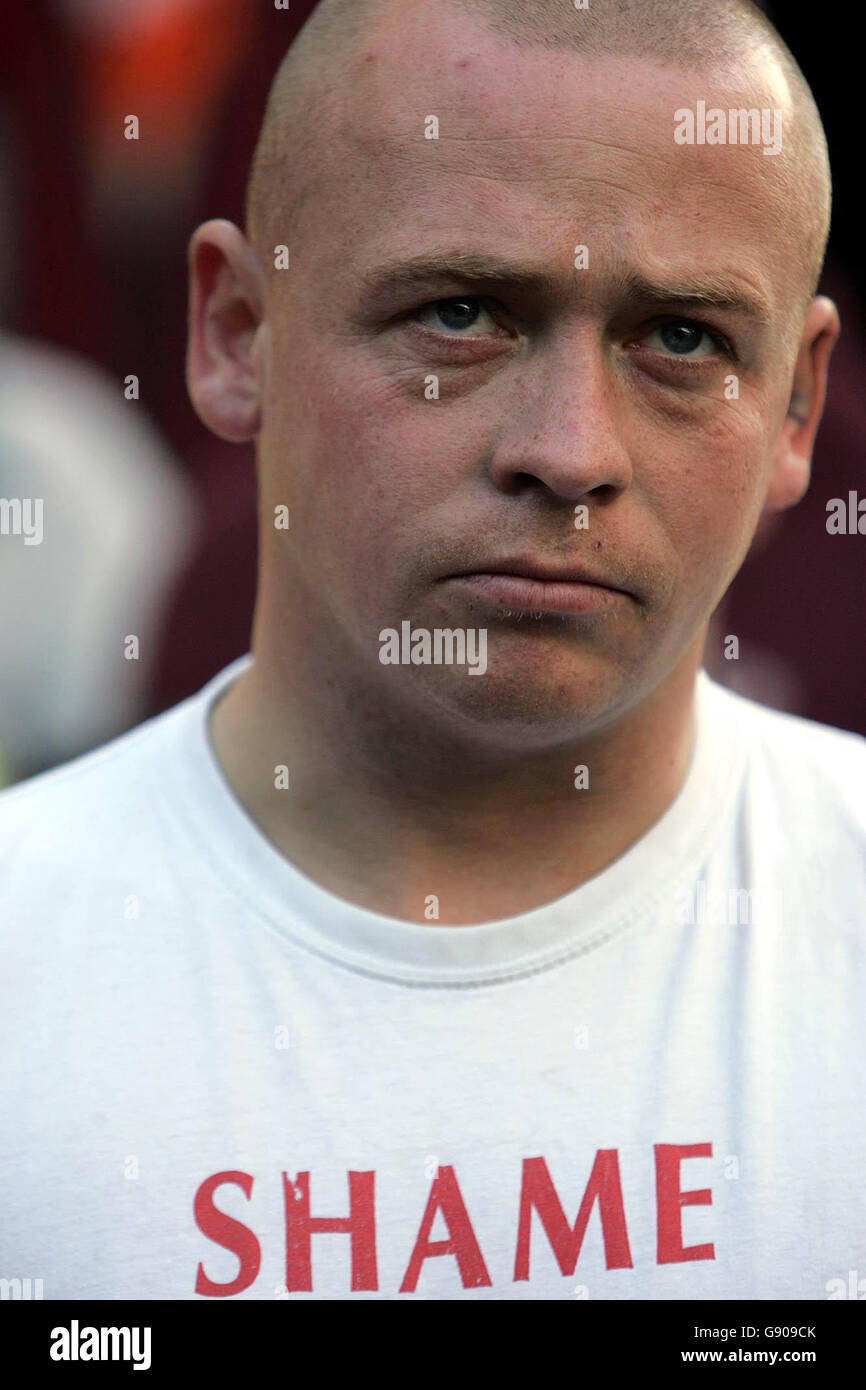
(811, 769)
(118, 809)
(87, 801)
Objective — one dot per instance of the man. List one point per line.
(466, 940)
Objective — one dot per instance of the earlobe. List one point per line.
(792, 456)
(789, 481)
(226, 306)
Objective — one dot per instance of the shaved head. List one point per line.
(728, 39)
(549, 304)
(532, 293)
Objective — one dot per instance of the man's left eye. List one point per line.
(685, 339)
(454, 315)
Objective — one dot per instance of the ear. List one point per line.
(792, 456)
(224, 371)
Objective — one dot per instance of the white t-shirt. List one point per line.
(220, 1080)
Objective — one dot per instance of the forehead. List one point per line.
(543, 149)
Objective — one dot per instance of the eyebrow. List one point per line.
(704, 290)
(409, 274)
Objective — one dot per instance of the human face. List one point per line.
(613, 388)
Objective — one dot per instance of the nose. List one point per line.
(564, 430)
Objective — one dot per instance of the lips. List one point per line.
(530, 586)
(542, 573)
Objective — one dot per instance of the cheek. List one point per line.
(373, 440)
(364, 458)
(709, 490)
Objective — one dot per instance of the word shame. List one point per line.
(445, 1202)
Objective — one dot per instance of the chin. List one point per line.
(525, 708)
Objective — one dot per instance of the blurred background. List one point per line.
(149, 521)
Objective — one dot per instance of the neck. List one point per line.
(385, 811)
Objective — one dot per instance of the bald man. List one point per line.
(464, 940)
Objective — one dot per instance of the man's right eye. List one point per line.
(452, 317)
